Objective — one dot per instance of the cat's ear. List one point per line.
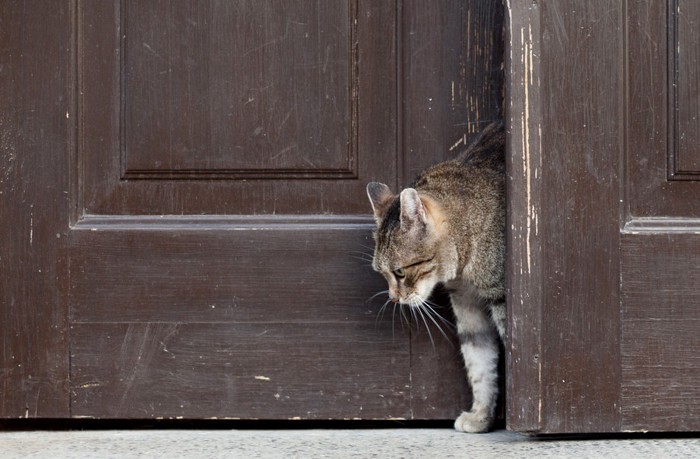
(380, 196)
(413, 214)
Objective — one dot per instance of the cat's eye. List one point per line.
(420, 262)
(400, 273)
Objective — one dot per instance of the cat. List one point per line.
(449, 229)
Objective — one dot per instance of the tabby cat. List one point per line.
(448, 229)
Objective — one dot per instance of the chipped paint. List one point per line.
(524, 113)
(527, 78)
(89, 385)
(530, 173)
(461, 141)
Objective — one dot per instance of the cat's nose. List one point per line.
(393, 296)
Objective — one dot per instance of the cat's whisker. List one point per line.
(425, 322)
(361, 256)
(432, 303)
(408, 316)
(382, 310)
(413, 313)
(430, 306)
(377, 294)
(370, 250)
(368, 261)
(420, 307)
(360, 252)
(404, 317)
(393, 317)
(432, 319)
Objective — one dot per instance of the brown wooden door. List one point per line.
(184, 223)
(220, 164)
(604, 216)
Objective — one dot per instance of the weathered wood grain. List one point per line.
(217, 119)
(661, 113)
(660, 332)
(660, 243)
(565, 67)
(34, 119)
(272, 370)
(684, 89)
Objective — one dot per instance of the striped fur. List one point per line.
(448, 229)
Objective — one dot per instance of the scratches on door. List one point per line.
(527, 166)
(141, 344)
(125, 355)
(461, 141)
(524, 113)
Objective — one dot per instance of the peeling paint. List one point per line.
(462, 141)
(527, 76)
(89, 385)
(524, 115)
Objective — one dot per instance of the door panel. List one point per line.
(186, 273)
(684, 88)
(195, 119)
(185, 110)
(226, 89)
(660, 331)
(603, 236)
(663, 119)
(660, 243)
(269, 370)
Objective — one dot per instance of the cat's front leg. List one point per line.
(498, 316)
(479, 346)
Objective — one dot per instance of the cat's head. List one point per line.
(412, 250)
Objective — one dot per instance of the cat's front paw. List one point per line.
(473, 422)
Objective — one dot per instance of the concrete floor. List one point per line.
(319, 443)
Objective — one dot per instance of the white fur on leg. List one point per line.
(479, 346)
(498, 315)
(481, 361)
(473, 422)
